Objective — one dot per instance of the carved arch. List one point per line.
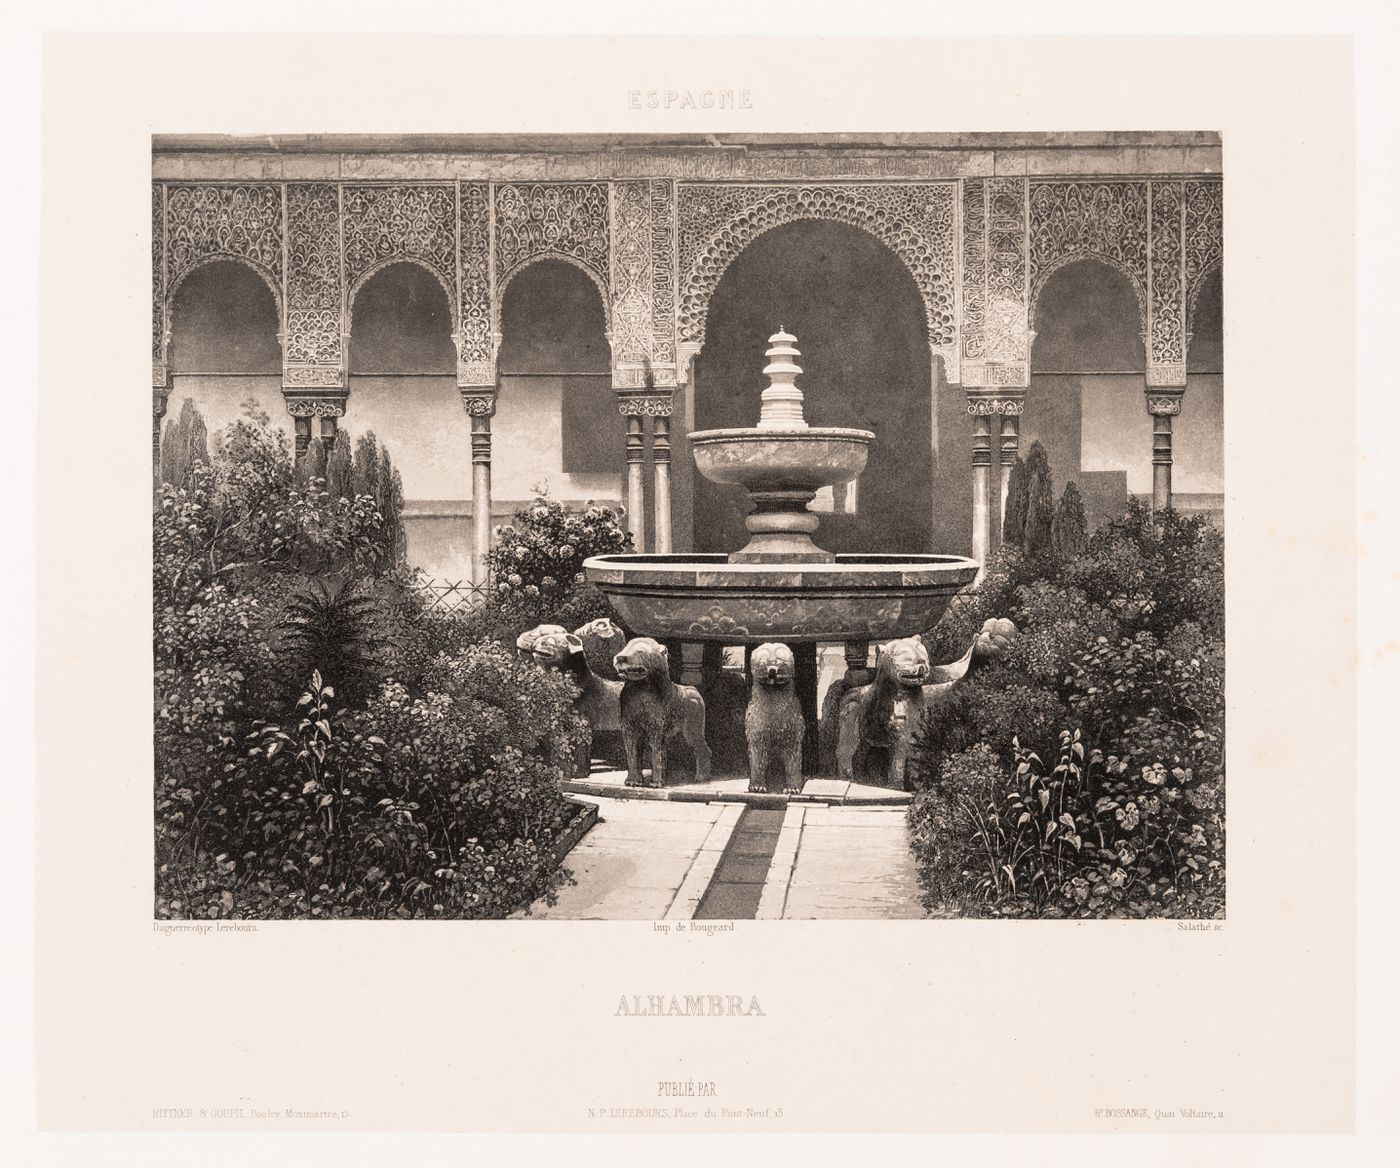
(914, 221)
(369, 273)
(1043, 277)
(168, 303)
(598, 282)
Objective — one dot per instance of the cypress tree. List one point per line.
(393, 516)
(340, 468)
(366, 469)
(184, 443)
(1040, 505)
(315, 462)
(1013, 526)
(1069, 533)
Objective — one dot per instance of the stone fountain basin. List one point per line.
(704, 597)
(819, 456)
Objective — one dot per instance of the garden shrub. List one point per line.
(444, 805)
(537, 562)
(1118, 673)
(1092, 836)
(415, 776)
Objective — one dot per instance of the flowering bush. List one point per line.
(537, 562)
(1118, 672)
(1090, 837)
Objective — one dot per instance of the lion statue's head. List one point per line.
(525, 643)
(553, 650)
(642, 658)
(603, 629)
(905, 660)
(601, 641)
(772, 665)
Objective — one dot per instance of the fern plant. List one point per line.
(334, 626)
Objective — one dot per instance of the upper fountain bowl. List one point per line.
(802, 460)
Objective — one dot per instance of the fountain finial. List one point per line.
(782, 400)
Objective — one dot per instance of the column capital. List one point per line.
(323, 403)
(160, 375)
(1163, 402)
(478, 400)
(984, 405)
(649, 404)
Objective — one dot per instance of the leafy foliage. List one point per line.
(1013, 524)
(1040, 503)
(537, 562)
(184, 445)
(1087, 837)
(334, 628)
(1121, 651)
(413, 776)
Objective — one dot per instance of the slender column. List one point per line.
(711, 667)
(692, 663)
(1163, 406)
(805, 680)
(304, 404)
(303, 437)
(481, 497)
(1010, 447)
(981, 487)
(661, 497)
(158, 406)
(636, 483)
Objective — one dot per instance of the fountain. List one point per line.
(780, 586)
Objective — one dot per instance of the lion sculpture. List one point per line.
(525, 643)
(599, 700)
(773, 722)
(655, 711)
(884, 714)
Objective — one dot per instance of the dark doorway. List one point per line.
(859, 322)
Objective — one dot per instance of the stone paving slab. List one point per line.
(659, 859)
(702, 870)
(775, 889)
(621, 874)
(852, 864)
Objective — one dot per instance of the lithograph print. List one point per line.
(722, 527)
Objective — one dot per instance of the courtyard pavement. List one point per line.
(649, 859)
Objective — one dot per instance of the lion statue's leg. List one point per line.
(792, 767)
(758, 765)
(656, 747)
(695, 735)
(899, 759)
(632, 744)
(583, 755)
